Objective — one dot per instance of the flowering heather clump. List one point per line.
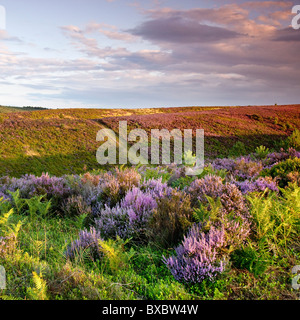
(199, 256)
(90, 179)
(233, 200)
(111, 191)
(56, 188)
(108, 188)
(224, 164)
(258, 185)
(128, 218)
(88, 242)
(246, 168)
(232, 215)
(113, 222)
(210, 185)
(30, 186)
(75, 206)
(139, 201)
(156, 188)
(243, 167)
(127, 178)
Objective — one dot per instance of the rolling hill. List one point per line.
(63, 141)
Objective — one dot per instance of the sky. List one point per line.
(154, 53)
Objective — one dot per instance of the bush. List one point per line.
(262, 152)
(284, 171)
(87, 245)
(236, 225)
(258, 185)
(199, 256)
(76, 206)
(293, 141)
(128, 218)
(231, 197)
(56, 189)
(245, 168)
(170, 220)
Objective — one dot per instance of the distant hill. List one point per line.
(5, 109)
(63, 141)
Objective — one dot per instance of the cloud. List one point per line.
(110, 31)
(287, 35)
(4, 36)
(240, 52)
(181, 30)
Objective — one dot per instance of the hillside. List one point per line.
(5, 109)
(64, 140)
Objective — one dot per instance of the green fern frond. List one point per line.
(39, 291)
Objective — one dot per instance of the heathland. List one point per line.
(71, 229)
(63, 141)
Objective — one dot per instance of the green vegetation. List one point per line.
(35, 234)
(47, 221)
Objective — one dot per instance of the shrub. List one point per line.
(293, 140)
(212, 186)
(199, 256)
(258, 185)
(76, 206)
(113, 222)
(261, 152)
(224, 164)
(236, 225)
(55, 188)
(110, 190)
(283, 170)
(127, 179)
(129, 218)
(275, 157)
(87, 245)
(245, 168)
(170, 220)
(156, 188)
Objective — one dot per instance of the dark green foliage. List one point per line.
(283, 171)
(170, 220)
(256, 117)
(182, 182)
(250, 258)
(237, 150)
